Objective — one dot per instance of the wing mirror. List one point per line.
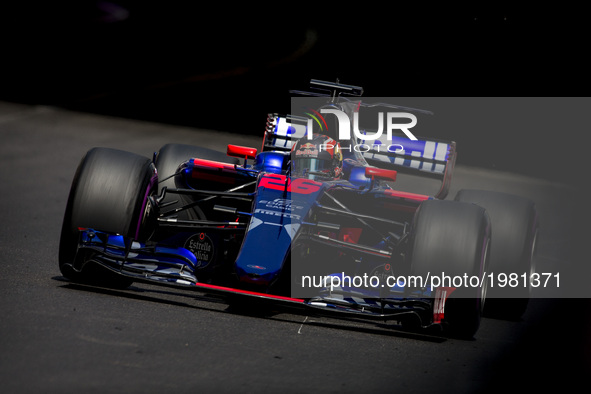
(242, 152)
(379, 173)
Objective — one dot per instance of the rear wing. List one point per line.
(425, 157)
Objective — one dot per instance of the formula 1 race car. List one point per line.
(312, 222)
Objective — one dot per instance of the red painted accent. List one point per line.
(410, 196)
(213, 164)
(274, 181)
(216, 171)
(441, 296)
(350, 234)
(246, 292)
(298, 185)
(241, 151)
(371, 172)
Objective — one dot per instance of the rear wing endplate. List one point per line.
(423, 157)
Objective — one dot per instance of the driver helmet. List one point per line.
(321, 154)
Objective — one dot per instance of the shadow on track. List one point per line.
(258, 310)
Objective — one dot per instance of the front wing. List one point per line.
(173, 267)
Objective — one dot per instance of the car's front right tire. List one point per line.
(451, 240)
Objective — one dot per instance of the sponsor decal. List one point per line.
(281, 203)
(256, 267)
(278, 213)
(202, 247)
(298, 185)
(307, 150)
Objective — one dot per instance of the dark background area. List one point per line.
(224, 67)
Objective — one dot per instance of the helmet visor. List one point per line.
(305, 166)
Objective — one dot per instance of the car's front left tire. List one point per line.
(109, 193)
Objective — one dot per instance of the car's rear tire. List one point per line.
(450, 239)
(168, 159)
(110, 193)
(515, 226)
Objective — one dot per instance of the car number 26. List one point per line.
(298, 185)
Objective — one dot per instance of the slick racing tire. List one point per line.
(450, 240)
(110, 193)
(515, 226)
(168, 160)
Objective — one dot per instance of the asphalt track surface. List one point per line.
(57, 337)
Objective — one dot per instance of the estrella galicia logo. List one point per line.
(202, 247)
